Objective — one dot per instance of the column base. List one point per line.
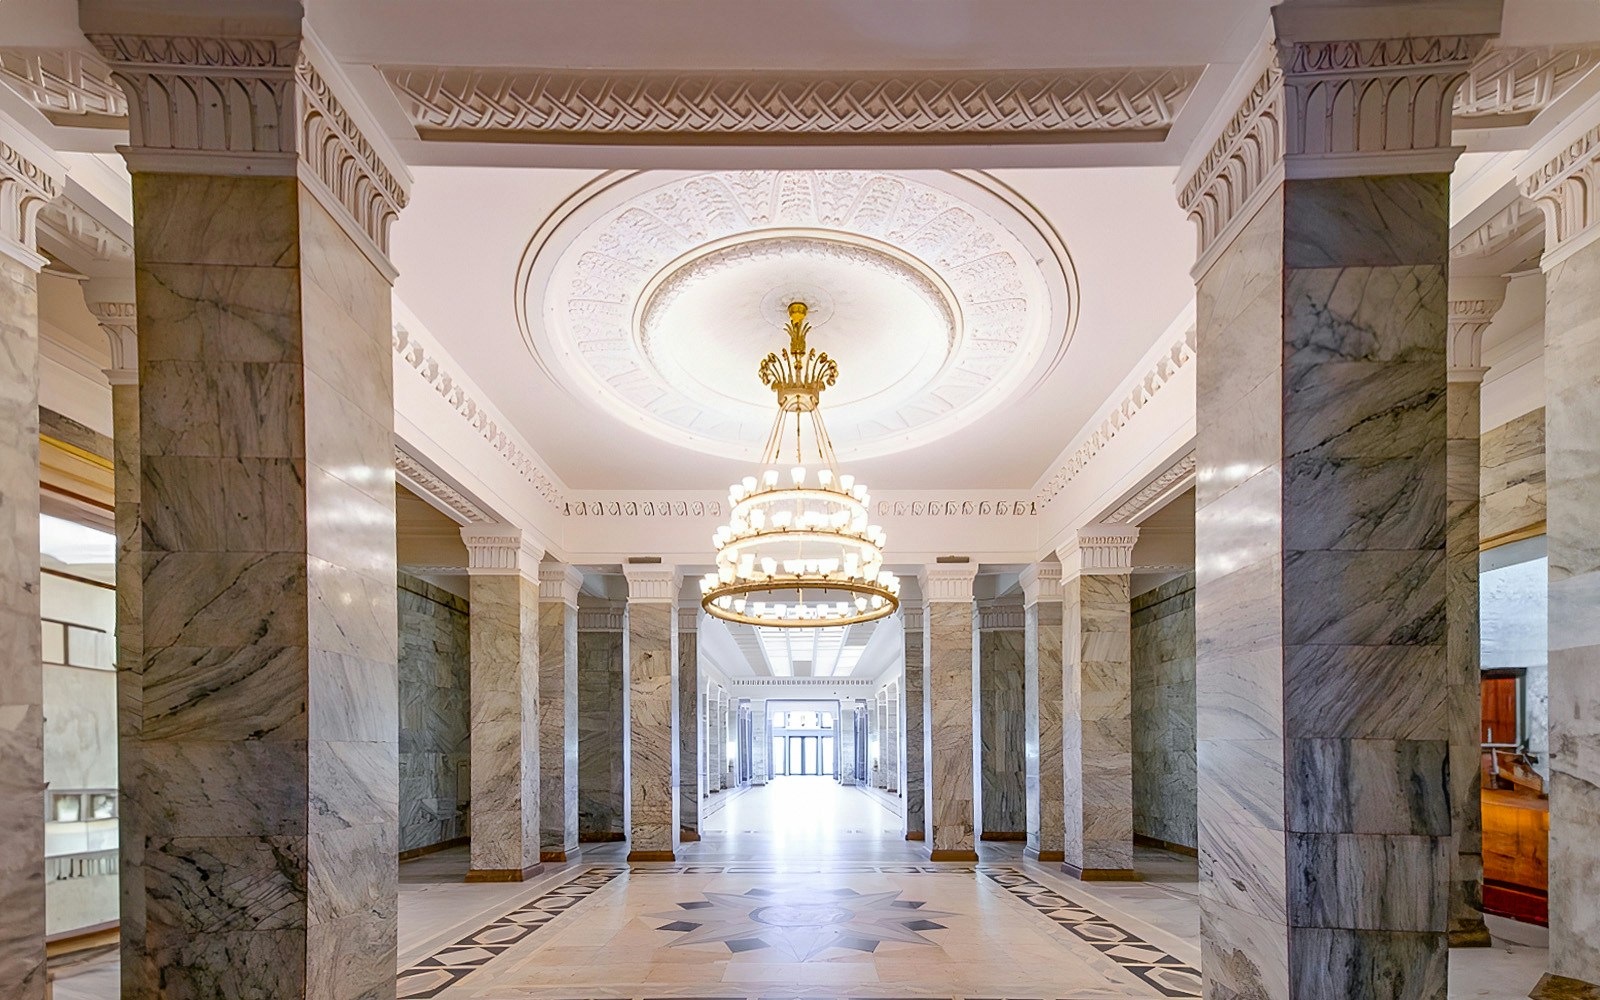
(1046, 857)
(1101, 874)
(913, 834)
(1470, 936)
(638, 857)
(1011, 835)
(601, 837)
(1554, 987)
(557, 857)
(504, 874)
(689, 836)
(937, 855)
(1140, 840)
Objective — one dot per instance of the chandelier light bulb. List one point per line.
(769, 479)
(798, 474)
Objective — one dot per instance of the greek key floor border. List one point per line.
(1168, 975)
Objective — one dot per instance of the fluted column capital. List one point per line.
(1041, 581)
(560, 582)
(1473, 304)
(501, 550)
(651, 582)
(948, 582)
(1098, 549)
(30, 177)
(111, 302)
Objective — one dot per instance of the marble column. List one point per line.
(947, 588)
(602, 723)
(652, 713)
(912, 619)
(268, 746)
(847, 742)
(1097, 704)
(1041, 597)
(761, 745)
(28, 179)
(690, 772)
(875, 741)
(1567, 188)
(558, 711)
(891, 738)
(715, 742)
(1324, 805)
(1473, 303)
(503, 584)
(1001, 692)
(111, 301)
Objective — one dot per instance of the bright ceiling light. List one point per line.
(798, 551)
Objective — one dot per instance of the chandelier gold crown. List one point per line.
(798, 554)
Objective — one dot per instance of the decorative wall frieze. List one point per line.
(500, 550)
(1566, 188)
(1244, 164)
(427, 366)
(956, 508)
(29, 180)
(948, 582)
(1041, 581)
(421, 479)
(556, 105)
(560, 582)
(252, 106)
(1098, 550)
(602, 618)
(1510, 85)
(432, 569)
(1172, 480)
(1002, 616)
(92, 246)
(1473, 304)
(651, 583)
(1504, 228)
(1177, 355)
(803, 682)
(642, 508)
(67, 86)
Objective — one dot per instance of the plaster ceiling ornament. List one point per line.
(943, 296)
(798, 555)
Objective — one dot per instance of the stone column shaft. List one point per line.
(558, 711)
(602, 724)
(1097, 704)
(847, 742)
(912, 619)
(950, 820)
(1001, 692)
(891, 740)
(717, 743)
(761, 747)
(505, 678)
(652, 713)
(1041, 589)
(690, 772)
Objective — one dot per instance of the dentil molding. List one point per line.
(422, 479)
(767, 107)
(1512, 223)
(650, 583)
(948, 582)
(1099, 550)
(1567, 189)
(602, 618)
(67, 86)
(1002, 616)
(643, 508)
(498, 550)
(1509, 85)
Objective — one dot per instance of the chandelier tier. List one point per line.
(797, 551)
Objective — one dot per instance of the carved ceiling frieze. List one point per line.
(643, 508)
(67, 86)
(1173, 480)
(956, 508)
(1508, 86)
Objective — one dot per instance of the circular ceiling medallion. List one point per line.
(657, 294)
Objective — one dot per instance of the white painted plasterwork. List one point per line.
(85, 238)
(939, 295)
(1473, 304)
(651, 583)
(1514, 84)
(1173, 480)
(956, 508)
(497, 550)
(1098, 550)
(423, 481)
(1001, 616)
(555, 105)
(29, 178)
(604, 618)
(948, 582)
(1040, 581)
(643, 508)
(1510, 224)
(69, 87)
(560, 582)
(1566, 187)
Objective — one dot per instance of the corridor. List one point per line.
(801, 817)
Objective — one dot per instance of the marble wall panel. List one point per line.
(652, 732)
(1572, 414)
(435, 751)
(505, 726)
(950, 816)
(1512, 489)
(558, 730)
(602, 792)
(760, 744)
(1164, 712)
(691, 770)
(22, 960)
(715, 743)
(916, 729)
(1096, 727)
(1045, 777)
(892, 733)
(847, 742)
(1002, 722)
(269, 760)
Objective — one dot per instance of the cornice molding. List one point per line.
(957, 508)
(911, 617)
(763, 107)
(111, 302)
(28, 181)
(422, 479)
(427, 366)
(1172, 480)
(642, 508)
(1041, 582)
(1098, 550)
(651, 583)
(1245, 163)
(500, 550)
(1472, 306)
(603, 618)
(253, 107)
(1514, 222)
(1177, 355)
(560, 582)
(85, 238)
(948, 582)
(811, 682)
(68, 86)
(1508, 86)
(1567, 190)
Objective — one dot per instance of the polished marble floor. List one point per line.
(803, 889)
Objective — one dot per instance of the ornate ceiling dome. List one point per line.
(941, 296)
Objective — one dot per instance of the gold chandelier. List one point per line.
(799, 554)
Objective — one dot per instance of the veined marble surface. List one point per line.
(1463, 642)
(1096, 724)
(689, 732)
(558, 727)
(1572, 414)
(1512, 487)
(1164, 712)
(916, 718)
(505, 723)
(602, 792)
(1002, 721)
(21, 681)
(950, 817)
(846, 724)
(435, 735)
(652, 729)
(130, 680)
(1045, 776)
